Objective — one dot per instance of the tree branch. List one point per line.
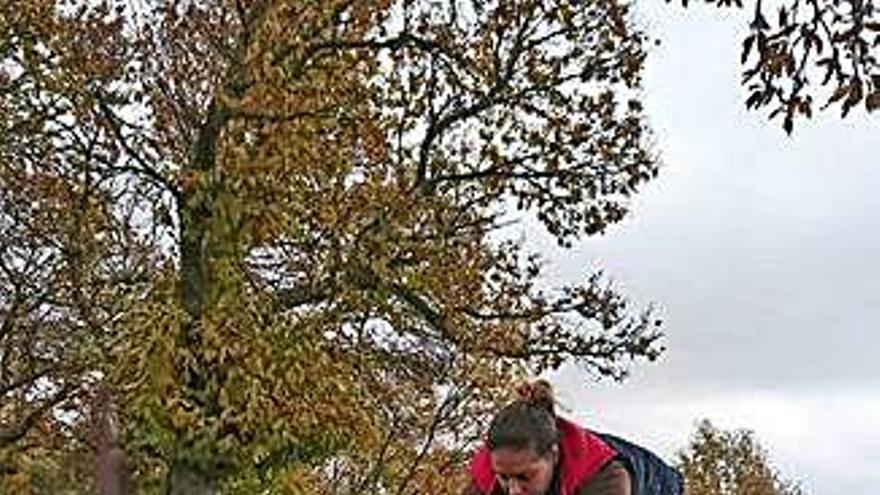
(11, 435)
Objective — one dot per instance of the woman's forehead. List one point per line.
(509, 460)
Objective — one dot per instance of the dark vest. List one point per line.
(650, 475)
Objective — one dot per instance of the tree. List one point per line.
(797, 48)
(273, 230)
(718, 462)
(259, 244)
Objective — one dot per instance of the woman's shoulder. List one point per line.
(613, 479)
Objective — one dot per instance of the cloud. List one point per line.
(762, 253)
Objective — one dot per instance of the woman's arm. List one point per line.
(613, 479)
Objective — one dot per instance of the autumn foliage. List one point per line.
(263, 246)
(803, 56)
(720, 462)
(270, 233)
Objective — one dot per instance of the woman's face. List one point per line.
(523, 471)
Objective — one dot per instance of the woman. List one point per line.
(531, 451)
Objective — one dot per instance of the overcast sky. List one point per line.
(763, 254)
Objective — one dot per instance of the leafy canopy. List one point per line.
(271, 231)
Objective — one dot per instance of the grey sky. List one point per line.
(763, 254)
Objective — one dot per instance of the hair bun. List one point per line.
(538, 393)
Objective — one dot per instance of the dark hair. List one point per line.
(529, 422)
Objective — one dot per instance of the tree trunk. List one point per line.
(196, 210)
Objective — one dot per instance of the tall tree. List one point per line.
(718, 462)
(259, 244)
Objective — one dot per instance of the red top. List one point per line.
(582, 455)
